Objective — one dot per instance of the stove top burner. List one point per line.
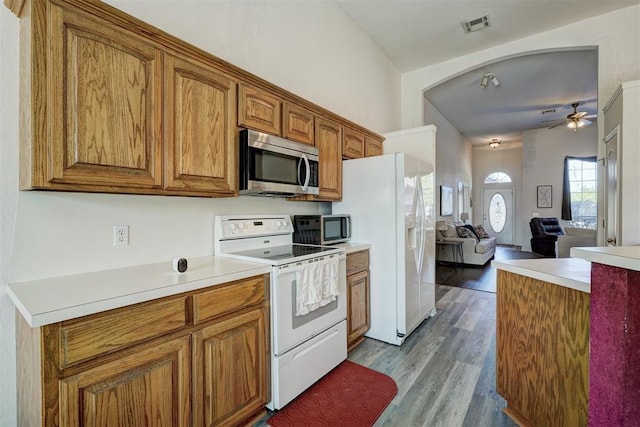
(288, 252)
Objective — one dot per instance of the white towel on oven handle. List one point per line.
(316, 285)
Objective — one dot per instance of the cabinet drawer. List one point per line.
(228, 298)
(116, 329)
(357, 261)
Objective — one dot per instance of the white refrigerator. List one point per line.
(391, 202)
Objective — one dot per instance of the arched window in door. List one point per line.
(497, 178)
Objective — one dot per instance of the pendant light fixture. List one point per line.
(495, 143)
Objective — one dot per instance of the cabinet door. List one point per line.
(357, 308)
(230, 370)
(352, 144)
(149, 387)
(104, 104)
(329, 143)
(259, 110)
(298, 124)
(200, 128)
(372, 147)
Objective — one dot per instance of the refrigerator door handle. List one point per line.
(420, 201)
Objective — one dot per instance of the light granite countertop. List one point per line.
(572, 273)
(618, 256)
(51, 300)
(351, 247)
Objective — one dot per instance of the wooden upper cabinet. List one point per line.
(329, 144)
(104, 104)
(200, 128)
(297, 124)
(259, 110)
(352, 144)
(372, 147)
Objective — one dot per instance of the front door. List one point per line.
(611, 187)
(497, 214)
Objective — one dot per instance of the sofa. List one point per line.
(544, 234)
(475, 251)
(574, 237)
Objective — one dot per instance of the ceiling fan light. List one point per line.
(495, 143)
(572, 125)
(485, 81)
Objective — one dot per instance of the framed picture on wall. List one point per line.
(446, 201)
(544, 196)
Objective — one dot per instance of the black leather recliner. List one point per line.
(545, 232)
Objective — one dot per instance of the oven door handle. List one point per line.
(307, 175)
(300, 265)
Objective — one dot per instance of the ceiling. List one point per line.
(417, 33)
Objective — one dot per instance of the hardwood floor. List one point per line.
(445, 371)
(481, 278)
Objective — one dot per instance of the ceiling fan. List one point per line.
(576, 120)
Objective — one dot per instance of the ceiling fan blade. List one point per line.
(556, 125)
(583, 122)
(579, 115)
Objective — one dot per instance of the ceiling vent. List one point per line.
(476, 24)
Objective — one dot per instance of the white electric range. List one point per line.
(303, 347)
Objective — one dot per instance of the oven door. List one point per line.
(289, 330)
(276, 166)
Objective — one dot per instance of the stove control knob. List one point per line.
(232, 227)
(240, 226)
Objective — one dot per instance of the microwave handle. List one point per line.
(348, 222)
(307, 175)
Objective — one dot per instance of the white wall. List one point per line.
(543, 154)
(8, 195)
(507, 159)
(312, 50)
(616, 34)
(453, 158)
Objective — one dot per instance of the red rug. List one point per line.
(349, 395)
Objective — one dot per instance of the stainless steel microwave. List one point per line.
(276, 167)
(321, 229)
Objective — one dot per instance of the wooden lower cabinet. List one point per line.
(172, 370)
(142, 388)
(358, 318)
(230, 366)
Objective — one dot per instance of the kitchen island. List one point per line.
(542, 340)
(567, 334)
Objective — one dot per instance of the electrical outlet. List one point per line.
(120, 235)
